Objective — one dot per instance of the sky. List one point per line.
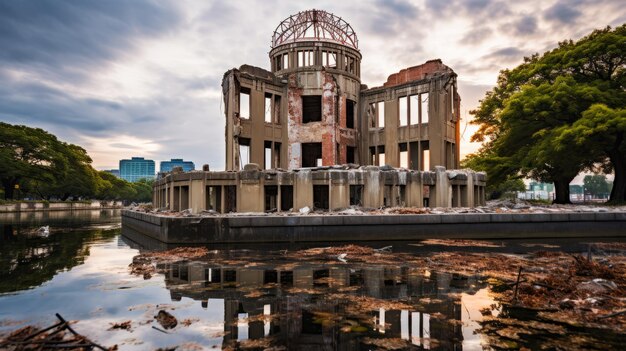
(143, 78)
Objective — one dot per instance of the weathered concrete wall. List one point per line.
(440, 134)
(377, 187)
(223, 230)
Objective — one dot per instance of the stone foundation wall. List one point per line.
(322, 188)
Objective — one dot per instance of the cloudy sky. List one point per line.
(142, 78)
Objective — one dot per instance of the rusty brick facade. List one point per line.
(311, 109)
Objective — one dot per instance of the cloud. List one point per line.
(526, 25)
(65, 39)
(438, 7)
(476, 5)
(563, 11)
(142, 77)
(476, 36)
(506, 53)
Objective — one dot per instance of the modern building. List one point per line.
(136, 168)
(166, 166)
(311, 109)
(115, 172)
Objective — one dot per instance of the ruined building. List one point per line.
(312, 110)
(295, 136)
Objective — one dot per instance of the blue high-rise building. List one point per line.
(166, 166)
(136, 168)
(115, 172)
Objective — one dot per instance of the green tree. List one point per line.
(601, 132)
(528, 121)
(27, 154)
(143, 190)
(596, 184)
(111, 187)
(76, 178)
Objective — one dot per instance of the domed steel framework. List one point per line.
(313, 25)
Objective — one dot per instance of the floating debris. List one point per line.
(58, 336)
(166, 319)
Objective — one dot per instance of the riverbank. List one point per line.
(32, 206)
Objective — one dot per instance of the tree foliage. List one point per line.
(42, 166)
(557, 114)
(596, 185)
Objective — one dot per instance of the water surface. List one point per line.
(238, 298)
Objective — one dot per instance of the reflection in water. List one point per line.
(28, 259)
(329, 306)
(65, 219)
(254, 299)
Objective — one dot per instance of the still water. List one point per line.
(80, 270)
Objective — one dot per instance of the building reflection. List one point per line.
(296, 295)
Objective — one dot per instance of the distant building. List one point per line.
(136, 168)
(538, 191)
(115, 172)
(166, 166)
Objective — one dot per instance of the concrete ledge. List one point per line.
(582, 217)
(223, 230)
(59, 206)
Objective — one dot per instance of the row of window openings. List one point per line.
(312, 110)
(307, 58)
(272, 158)
(311, 154)
(413, 109)
(271, 107)
(404, 158)
(321, 197)
(409, 108)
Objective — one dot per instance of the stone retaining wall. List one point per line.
(59, 206)
(335, 228)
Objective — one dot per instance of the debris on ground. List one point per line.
(58, 336)
(559, 290)
(146, 264)
(492, 206)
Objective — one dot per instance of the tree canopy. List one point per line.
(41, 166)
(557, 114)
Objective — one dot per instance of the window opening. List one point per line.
(244, 103)
(403, 109)
(425, 111)
(311, 108)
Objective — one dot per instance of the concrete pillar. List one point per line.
(373, 194)
(172, 198)
(294, 120)
(303, 190)
(250, 194)
(392, 153)
(415, 190)
(257, 119)
(467, 193)
(197, 196)
(442, 196)
(339, 190)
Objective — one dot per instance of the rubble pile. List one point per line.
(493, 206)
